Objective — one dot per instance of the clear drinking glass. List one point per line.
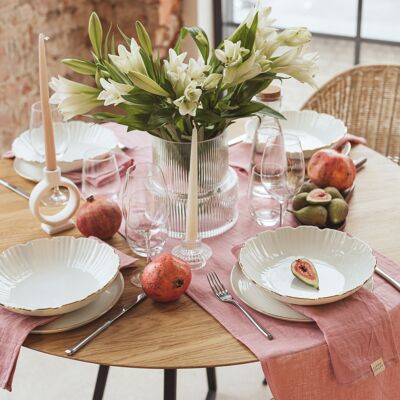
(59, 195)
(146, 212)
(100, 176)
(282, 168)
(262, 206)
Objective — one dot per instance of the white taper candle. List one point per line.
(192, 201)
(50, 150)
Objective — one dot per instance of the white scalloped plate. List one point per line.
(344, 264)
(260, 300)
(72, 140)
(75, 319)
(315, 130)
(55, 276)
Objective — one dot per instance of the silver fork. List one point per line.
(221, 293)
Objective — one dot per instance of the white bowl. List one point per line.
(55, 276)
(72, 140)
(315, 130)
(343, 263)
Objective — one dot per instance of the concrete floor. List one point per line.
(43, 377)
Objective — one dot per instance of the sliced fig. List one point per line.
(304, 270)
(318, 196)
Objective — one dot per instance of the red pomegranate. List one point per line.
(327, 167)
(166, 278)
(99, 217)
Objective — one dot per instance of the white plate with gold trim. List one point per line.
(343, 263)
(260, 300)
(85, 315)
(46, 277)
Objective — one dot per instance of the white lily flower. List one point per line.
(294, 37)
(245, 71)
(129, 61)
(297, 64)
(232, 54)
(212, 81)
(175, 62)
(196, 69)
(73, 98)
(188, 103)
(113, 92)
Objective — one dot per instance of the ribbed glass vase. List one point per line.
(217, 184)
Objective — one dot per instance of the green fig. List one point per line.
(307, 187)
(299, 201)
(318, 196)
(304, 270)
(312, 215)
(334, 192)
(337, 211)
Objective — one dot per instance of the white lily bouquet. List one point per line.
(168, 97)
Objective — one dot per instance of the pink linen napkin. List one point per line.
(358, 331)
(14, 328)
(123, 163)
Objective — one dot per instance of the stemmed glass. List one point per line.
(100, 175)
(58, 196)
(145, 211)
(282, 168)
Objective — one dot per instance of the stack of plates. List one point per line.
(77, 278)
(263, 279)
(72, 140)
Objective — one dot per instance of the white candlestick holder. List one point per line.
(61, 221)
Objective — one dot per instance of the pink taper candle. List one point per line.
(51, 163)
(192, 201)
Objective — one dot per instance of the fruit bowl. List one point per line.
(324, 208)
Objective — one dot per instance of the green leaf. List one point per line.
(105, 116)
(182, 34)
(147, 63)
(106, 40)
(144, 38)
(112, 44)
(201, 40)
(116, 74)
(248, 41)
(250, 108)
(160, 117)
(95, 34)
(81, 66)
(204, 115)
(147, 84)
(239, 34)
(126, 38)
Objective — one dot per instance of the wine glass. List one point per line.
(59, 195)
(282, 168)
(262, 206)
(100, 175)
(145, 211)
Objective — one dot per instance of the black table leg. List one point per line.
(169, 384)
(101, 382)
(212, 384)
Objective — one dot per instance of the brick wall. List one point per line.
(65, 21)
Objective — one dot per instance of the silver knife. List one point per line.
(388, 278)
(72, 350)
(15, 189)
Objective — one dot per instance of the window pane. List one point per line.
(381, 20)
(321, 16)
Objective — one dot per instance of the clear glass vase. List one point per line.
(217, 184)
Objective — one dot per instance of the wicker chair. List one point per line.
(367, 99)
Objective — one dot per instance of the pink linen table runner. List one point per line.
(297, 364)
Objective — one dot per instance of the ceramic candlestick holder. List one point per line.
(61, 221)
(193, 252)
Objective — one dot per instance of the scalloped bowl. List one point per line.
(343, 263)
(55, 276)
(315, 130)
(72, 140)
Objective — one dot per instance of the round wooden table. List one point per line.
(181, 334)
